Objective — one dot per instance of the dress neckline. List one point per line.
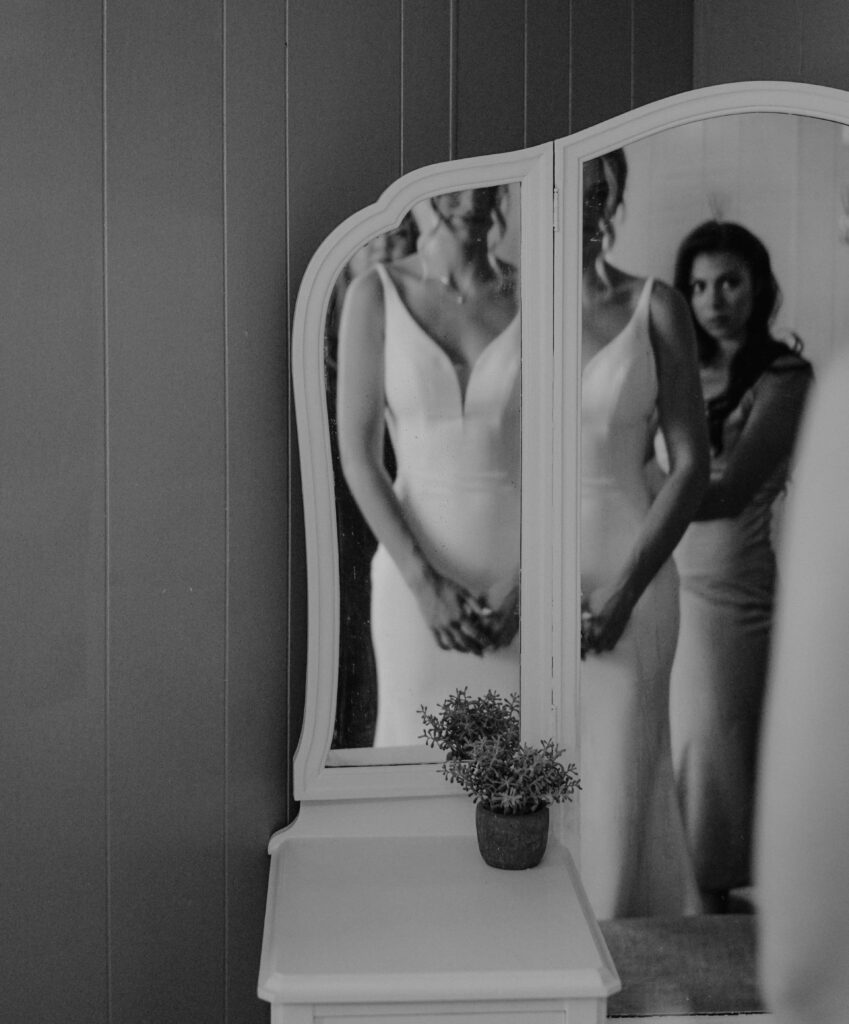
(642, 302)
(462, 392)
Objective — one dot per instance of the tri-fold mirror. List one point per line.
(437, 372)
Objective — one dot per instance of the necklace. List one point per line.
(447, 283)
(450, 286)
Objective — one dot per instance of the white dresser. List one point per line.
(419, 930)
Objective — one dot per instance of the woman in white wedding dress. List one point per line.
(430, 349)
(639, 373)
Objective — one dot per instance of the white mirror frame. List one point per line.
(551, 275)
(391, 773)
(569, 156)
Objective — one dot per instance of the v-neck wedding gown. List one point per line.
(458, 482)
(634, 860)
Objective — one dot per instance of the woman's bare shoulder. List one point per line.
(365, 286)
(363, 306)
(405, 270)
(663, 293)
(668, 305)
(404, 273)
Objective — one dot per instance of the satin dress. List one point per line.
(458, 482)
(728, 576)
(634, 858)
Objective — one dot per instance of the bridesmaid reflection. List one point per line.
(755, 389)
(639, 369)
(429, 348)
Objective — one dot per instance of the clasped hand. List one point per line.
(602, 629)
(461, 621)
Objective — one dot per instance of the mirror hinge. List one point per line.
(555, 209)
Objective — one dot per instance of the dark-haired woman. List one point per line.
(755, 388)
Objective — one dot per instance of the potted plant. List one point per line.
(512, 783)
(460, 720)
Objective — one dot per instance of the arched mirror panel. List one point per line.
(704, 258)
(422, 333)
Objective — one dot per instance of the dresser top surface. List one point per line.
(399, 913)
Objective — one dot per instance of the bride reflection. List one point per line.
(691, 191)
(356, 703)
(429, 350)
(638, 372)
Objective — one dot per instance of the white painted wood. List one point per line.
(481, 1013)
(702, 1018)
(292, 1015)
(314, 778)
(356, 921)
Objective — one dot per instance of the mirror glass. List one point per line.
(423, 385)
(670, 716)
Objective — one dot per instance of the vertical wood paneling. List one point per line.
(825, 33)
(794, 40)
(601, 60)
(343, 149)
(52, 807)
(490, 99)
(758, 40)
(166, 392)
(344, 114)
(655, 26)
(426, 84)
(547, 101)
(257, 758)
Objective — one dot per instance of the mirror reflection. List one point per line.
(423, 355)
(639, 377)
(744, 216)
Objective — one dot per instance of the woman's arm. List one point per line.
(685, 434)
(766, 441)
(361, 426)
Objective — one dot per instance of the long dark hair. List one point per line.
(609, 194)
(760, 351)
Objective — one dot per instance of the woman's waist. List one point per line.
(614, 503)
(471, 536)
(727, 547)
(457, 481)
(456, 451)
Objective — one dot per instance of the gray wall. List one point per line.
(168, 168)
(143, 510)
(790, 40)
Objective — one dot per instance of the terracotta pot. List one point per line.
(512, 841)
